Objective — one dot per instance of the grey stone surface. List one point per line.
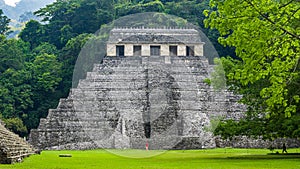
(116, 102)
(246, 142)
(159, 36)
(12, 148)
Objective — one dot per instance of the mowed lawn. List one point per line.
(192, 159)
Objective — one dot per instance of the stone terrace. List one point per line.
(12, 147)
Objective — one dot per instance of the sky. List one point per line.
(11, 2)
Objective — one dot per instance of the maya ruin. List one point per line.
(149, 88)
(12, 148)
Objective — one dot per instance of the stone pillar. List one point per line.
(129, 50)
(111, 50)
(164, 50)
(168, 59)
(199, 50)
(145, 49)
(181, 50)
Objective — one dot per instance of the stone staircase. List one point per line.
(126, 102)
(12, 148)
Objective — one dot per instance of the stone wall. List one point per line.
(246, 142)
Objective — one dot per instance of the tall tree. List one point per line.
(67, 19)
(128, 8)
(266, 36)
(4, 21)
(68, 56)
(34, 33)
(28, 81)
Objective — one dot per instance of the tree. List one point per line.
(15, 91)
(266, 37)
(128, 8)
(4, 21)
(68, 56)
(67, 19)
(34, 33)
(45, 48)
(91, 15)
(16, 125)
(28, 83)
(46, 72)
(13, 53)
(46, 76)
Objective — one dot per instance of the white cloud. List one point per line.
(11, 2)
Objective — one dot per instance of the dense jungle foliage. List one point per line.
(258, 41)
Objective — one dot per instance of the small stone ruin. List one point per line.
(149, 89)
(12, 148)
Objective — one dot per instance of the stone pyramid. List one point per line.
(12, 148)
(149, 89)
(128, 101)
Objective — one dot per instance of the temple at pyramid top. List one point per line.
(154, 42)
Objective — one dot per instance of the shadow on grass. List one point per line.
(268, 156)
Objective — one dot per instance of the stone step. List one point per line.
(99, 113)
(145, 63)
(92, 83)
(17, 147)
(126, 69)
(14, 152)
(116, 60)
(110, 77)
(75, 114)
(89, 105)
(151, 65)
(9, 136)
(135, 87)
(135, 98)
(141, 78)
(12, 143)
(92, 94)
(21, 155)
(79, 125)
(76, 132)
(114, 84)
(12, 147)
(147, 60)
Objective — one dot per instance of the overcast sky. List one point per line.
(11, 2)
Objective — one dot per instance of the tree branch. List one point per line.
(272, 22)
(290, 17)
(284, 5)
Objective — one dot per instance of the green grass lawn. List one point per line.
(208, 159)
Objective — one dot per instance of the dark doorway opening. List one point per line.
(137, 50)
(173, 50)
(190, 51)
(155, 50)
(147, 128)
(120, 50)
